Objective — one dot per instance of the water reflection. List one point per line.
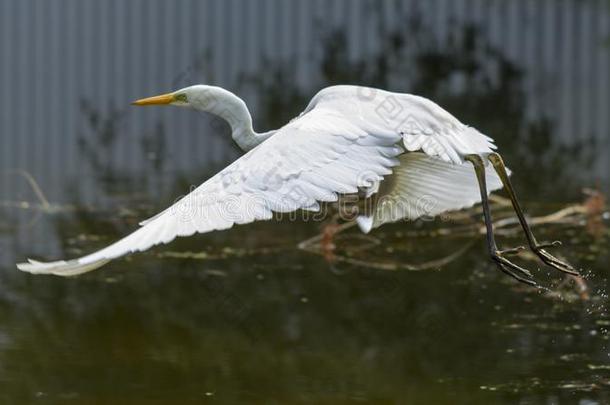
(165, 327)
(191, 321)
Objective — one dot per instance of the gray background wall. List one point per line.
(59, 55)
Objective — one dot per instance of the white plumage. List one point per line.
(404, 148)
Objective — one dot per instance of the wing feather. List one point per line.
(423, 124)
(311, 159)
(426, 186)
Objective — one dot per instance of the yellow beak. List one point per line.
(162, 99)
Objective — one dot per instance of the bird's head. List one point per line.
(216, 101)
(199, 96)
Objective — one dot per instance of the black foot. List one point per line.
(506, 266)
(551, 260)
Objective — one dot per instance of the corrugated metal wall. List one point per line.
(57, 53)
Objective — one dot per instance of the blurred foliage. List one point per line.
(97, 142)
(466, 75)
(102, 139)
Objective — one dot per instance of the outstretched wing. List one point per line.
(310, 160)
(423, 124)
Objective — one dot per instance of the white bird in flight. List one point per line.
(404, 153)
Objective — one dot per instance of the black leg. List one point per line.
(538, 248)
(496, 255)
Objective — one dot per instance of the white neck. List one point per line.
(233, 110)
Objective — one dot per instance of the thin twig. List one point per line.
(33, 184)
(432, 264)
(307, 244)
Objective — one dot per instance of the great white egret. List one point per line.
(404, 153)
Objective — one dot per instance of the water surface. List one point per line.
(244, 315)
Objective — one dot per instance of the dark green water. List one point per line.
(248, 317)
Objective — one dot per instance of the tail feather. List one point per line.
(426, 186)
(61, 267)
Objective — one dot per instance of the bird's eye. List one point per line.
(181, 97)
